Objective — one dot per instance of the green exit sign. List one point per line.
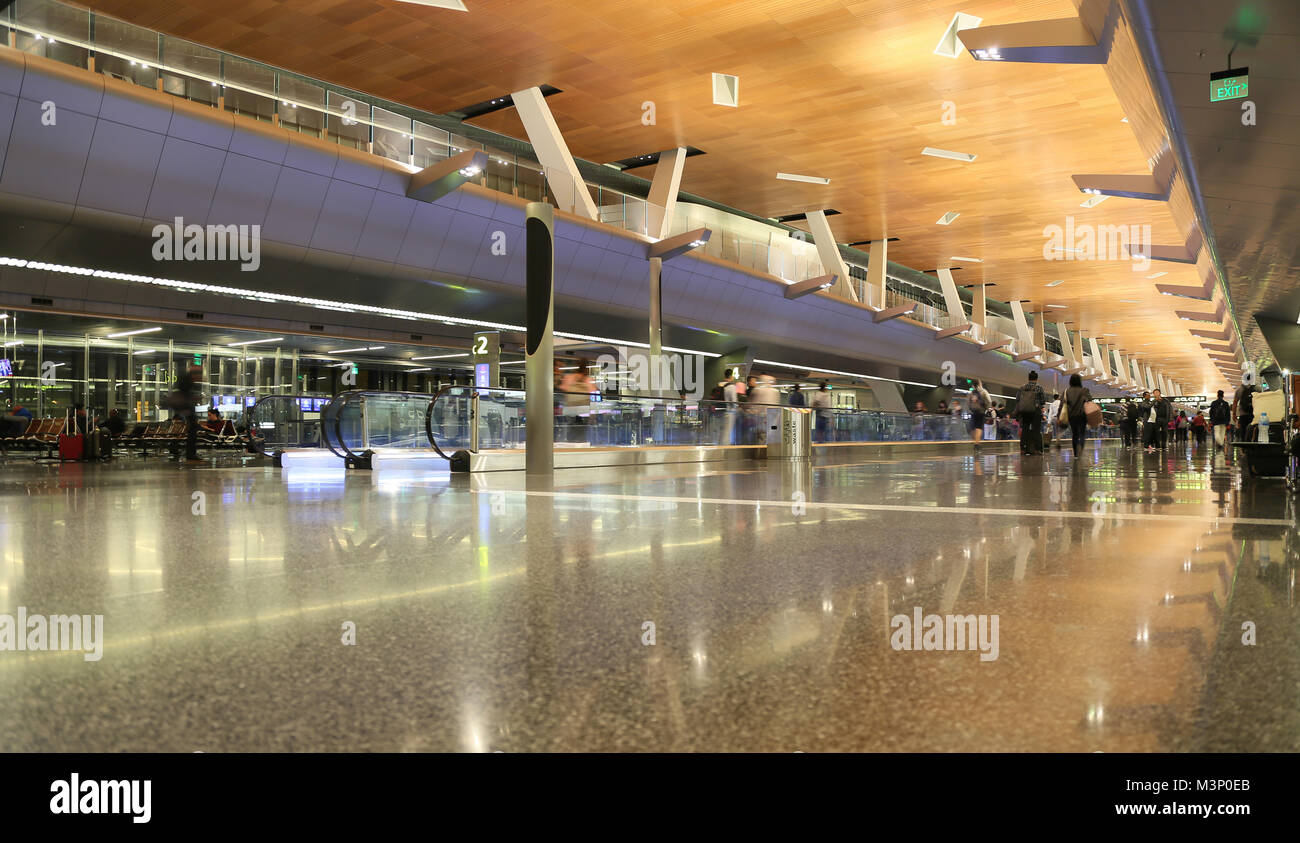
(1230, 84)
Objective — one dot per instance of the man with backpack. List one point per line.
(1220, 416)
(1029, 409)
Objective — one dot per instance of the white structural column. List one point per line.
(562, 174)
(955, 309)
(1099, 360)
(663, 191)
(829, 252)
(1023, 333)
(1071, 363)
(876, 273)
(1135, 369)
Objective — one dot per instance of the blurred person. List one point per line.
(796, 397)
(1243, 410)
(821, 402)
(1030, 399)
(1198, 425)
(981, 407)
(184, 400)
(1053, 414)
(1220, 417)
(1075, 397)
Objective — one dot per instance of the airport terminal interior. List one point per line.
(693, 376)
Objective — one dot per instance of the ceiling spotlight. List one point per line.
(947, 153)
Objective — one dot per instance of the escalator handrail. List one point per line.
(342, 400)
(252, 411)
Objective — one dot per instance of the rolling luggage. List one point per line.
(94, 446)
(71, 446)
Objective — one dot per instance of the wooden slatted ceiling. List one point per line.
(846, 89)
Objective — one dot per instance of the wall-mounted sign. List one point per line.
(6, 368)
(486, 354)
(1230, 84)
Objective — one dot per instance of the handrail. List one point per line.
(252, 411)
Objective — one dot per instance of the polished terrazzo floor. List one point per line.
(497, 614)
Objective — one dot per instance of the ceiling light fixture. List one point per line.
(948, 153)
(1054, 283)
(808, 179)
(1093, 201)
(968, 260)
(947, 218)
(255, 342)
(134, 333)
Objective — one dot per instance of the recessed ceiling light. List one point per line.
(1129, 301)
(1054, 283)
(950, 44)
(255, 342)
(1058, 305)
(948, 218)
(726, 90)
(808, 179)
(1123, 120)
(456, 5)
(948, 153)
(1158, 275)
(1093, 201)
(968, 260)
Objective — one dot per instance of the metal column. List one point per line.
(539, 403)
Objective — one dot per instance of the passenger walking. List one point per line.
(1220, 416)
(1131, 423)
(1075, 398)
(1198, 428)
(1029, 408)
(1053, 412)
(981, 409)
(796, 397)
(1183, 427)
(821, 402)
(1156, 413)
(185, 399)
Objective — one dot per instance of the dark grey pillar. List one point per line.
(539, 403)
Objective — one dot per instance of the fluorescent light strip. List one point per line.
(968, 260)
(948, 153)
(346, 307)
(134, 333)
(441, 356)
(254, 342)
(808, 179)
(838, 372)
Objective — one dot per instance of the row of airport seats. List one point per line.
(42, 436)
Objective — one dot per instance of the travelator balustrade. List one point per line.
(358, 426)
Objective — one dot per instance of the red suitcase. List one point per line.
(71, 447)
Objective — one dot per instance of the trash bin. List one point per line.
(789, 433)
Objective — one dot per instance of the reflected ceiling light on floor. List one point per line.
(968, 260)
(1054, 283)
(134, 333)
(948, 153)
(808, 179)
(947, 218)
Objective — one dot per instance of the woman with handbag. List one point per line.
(1075, 398)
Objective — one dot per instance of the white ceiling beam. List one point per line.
(562, 174)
